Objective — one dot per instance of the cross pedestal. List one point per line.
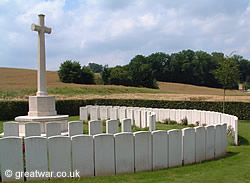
(41, 107)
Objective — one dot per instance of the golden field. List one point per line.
(22, 82)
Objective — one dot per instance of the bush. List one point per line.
(87, 76)
(172, 122)
(184, 121)
(166, 121)
(191, 125)
(71, 72)
(230, 136)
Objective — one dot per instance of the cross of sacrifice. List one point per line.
(41, 70)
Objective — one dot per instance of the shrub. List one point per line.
(166, 121)
(87, 76)
(191, 125)
(70, 72)
(184, 121)
(230, 136)
(172, 122)
(204, 124)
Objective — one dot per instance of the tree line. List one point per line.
(187, 66)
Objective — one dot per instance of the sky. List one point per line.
(114, 31)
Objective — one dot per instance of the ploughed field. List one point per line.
(18, 84)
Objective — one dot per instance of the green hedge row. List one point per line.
(10, 109)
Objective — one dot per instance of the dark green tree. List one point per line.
(87, 76)
(96, 68)
(106, 74)
(227, 74)
(158, 61)
(141, 72)
(70, 72)
(120, 76)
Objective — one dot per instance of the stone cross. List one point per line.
(41, 71)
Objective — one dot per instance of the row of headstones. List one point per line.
(106, 154)
(74, 128)
(139, 115)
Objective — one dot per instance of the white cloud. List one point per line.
(113, 32)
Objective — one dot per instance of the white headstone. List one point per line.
(143, 118)
(109, 110)
(188, 145)
(59, 148)
(137, 114)
(218, 141)
(130, 114)
(11, 129)
(83, 155)
(143, 151)
(84, 113)
(103, 112)
(160, 149)
(112, 126)
(163, 115)
(203, 117)
(124, 152)
(53, 129)
(152, 122)
(94, 113)
(210, 138)
(224, 139)
(189, 116)
(36, 156)
(89, 107)
(172, 114)
(11, 158)
(175, 148)
(236, 130)
(178, 115)
(123, 112)
(104, 154)
(200, 144)
(95, 127)
(114, 113)
(32, 129)
(126, 125)
(75, 128)
(156, 111)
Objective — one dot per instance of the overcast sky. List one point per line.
(114, 31)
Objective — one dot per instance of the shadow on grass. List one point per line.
(228, 155)
(243, 141)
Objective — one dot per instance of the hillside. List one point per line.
(20, 83)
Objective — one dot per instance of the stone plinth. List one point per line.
(42, 106)
(63, 119)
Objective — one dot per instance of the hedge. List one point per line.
(10, 109)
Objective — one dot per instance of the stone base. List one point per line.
(63, 119)
(42, 106)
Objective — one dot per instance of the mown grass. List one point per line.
(105, 90)
(232, 168)
(70, 91)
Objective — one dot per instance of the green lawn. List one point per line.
(235, 167)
